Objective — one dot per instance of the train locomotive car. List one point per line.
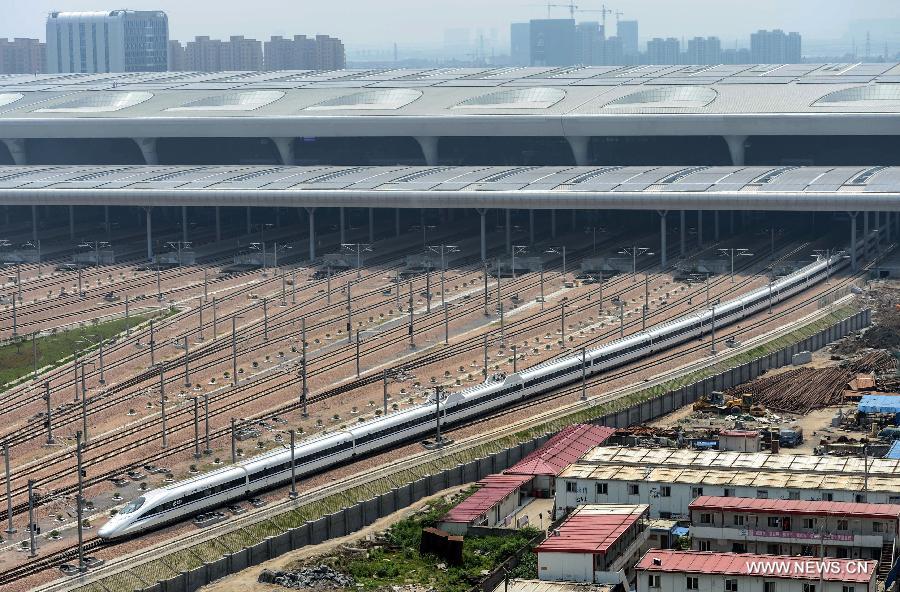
(186, 498)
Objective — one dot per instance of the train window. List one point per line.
(133, 505)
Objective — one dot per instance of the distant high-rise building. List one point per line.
(112, 41)
(22, 56)
(613, 53)
(627, 31)
(775, 47)
(177, 56)
(520, 44)
(663, 51)
(589, 44)
(703, 50)
(552, 42)
(736, 56)
(212, 55)
(305, 53)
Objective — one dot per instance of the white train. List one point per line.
(215, 489)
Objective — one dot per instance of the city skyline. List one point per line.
(404, 22)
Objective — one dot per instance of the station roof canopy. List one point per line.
(822, 188)
(717, 99)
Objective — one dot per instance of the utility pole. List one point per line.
(79, 503)
(562, 321)
(32, 552)
(357, 353)
(265, 319)
(234, 349)
(502, 340)
(438, 442)
(200, 323)
(485, 371)
(542, 285)
(384, 384)
(127, 321)
(621, 318)
(349, 312)
(446, 321)
(732, 252)
(712, 349)
(514, 357)
(293, 286)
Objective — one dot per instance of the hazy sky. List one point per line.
(423, 22)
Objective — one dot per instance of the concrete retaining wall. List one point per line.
(364, 513)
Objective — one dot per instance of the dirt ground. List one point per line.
(246, 581)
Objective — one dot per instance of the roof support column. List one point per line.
(285, 148)
(312, 233)
(508, 230)
(429, 146)
(483, 214)
(397, 222)
(72, 223)
(716, 225)
(662, 238)
(530, 227)
(249, 220)
(552, 223)
(184, 226)
(700, 228)
(853, 239)
(16, 147)
(682, 231)
(218, 216)
(341, 234)
(731, 223)
(580, 149)
(147, 147)
(736, 149)
(371, 225)
(34, 221)
(149, 233)
(106, 220)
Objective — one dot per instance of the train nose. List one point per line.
(107, 531)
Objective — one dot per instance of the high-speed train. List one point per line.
(214, 489)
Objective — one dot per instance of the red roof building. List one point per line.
(795, 527)
(593, 543)
(497, 497)
(662, 569)
(557, 453)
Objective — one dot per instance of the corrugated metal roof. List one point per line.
(894, 451)
(515, 585)
(879, 404)
(593, 528)
(561, 450)
(783, 506)
(493, 489)
(746, 564)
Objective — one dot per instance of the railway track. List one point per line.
(232, 405)
(68, 554)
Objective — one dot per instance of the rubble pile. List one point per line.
(319, 577)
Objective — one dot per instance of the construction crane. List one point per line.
(573, 8)
(618, 15)
(603, 12)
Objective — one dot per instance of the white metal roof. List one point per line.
(567, 187)
(721, 100)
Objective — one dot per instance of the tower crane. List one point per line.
(573, 8)
(603, 12)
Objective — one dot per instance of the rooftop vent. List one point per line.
(519, 98)
(9, 98)
(673, 97)
(387, 99)
(657, 561)
(234, 101)
(873, 95)
(98, 102)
